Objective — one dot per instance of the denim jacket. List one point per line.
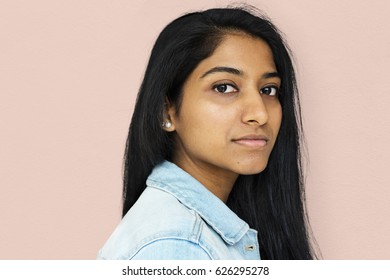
(176, 217)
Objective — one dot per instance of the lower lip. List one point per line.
(253, 143)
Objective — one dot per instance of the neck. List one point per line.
(218, 181)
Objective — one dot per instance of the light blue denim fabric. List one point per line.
(176, 217)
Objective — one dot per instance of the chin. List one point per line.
(251, 168)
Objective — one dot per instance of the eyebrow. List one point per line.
(217, 69)
(237, 72)
(269, 75)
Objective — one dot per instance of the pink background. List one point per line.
(69, 73)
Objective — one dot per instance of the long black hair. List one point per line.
(271, 202)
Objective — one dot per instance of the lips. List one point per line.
(253, 141)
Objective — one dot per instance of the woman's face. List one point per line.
(230, 112)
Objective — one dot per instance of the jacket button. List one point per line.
(249, 248)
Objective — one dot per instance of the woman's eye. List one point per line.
(224, 88)
(272, 91)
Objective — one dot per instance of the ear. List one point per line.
(169, 113)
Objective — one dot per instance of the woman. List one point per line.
(212, 163)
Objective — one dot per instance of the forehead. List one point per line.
(251, 55)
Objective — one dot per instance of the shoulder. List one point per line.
(158, 226)
(172, 249)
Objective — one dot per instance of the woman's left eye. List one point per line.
(271, 90)
(224, 88)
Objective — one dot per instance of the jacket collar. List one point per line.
(190, 192)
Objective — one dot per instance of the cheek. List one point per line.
(206, 117)
(205, 125)
(278, 118)
(275, 117)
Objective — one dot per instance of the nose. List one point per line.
(254, 109)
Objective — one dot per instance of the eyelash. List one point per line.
(215, 88)
(275, 88)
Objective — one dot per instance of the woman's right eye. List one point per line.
(224, 88)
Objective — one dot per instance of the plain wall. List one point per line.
(69, 74)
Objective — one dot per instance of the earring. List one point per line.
(166, 124)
